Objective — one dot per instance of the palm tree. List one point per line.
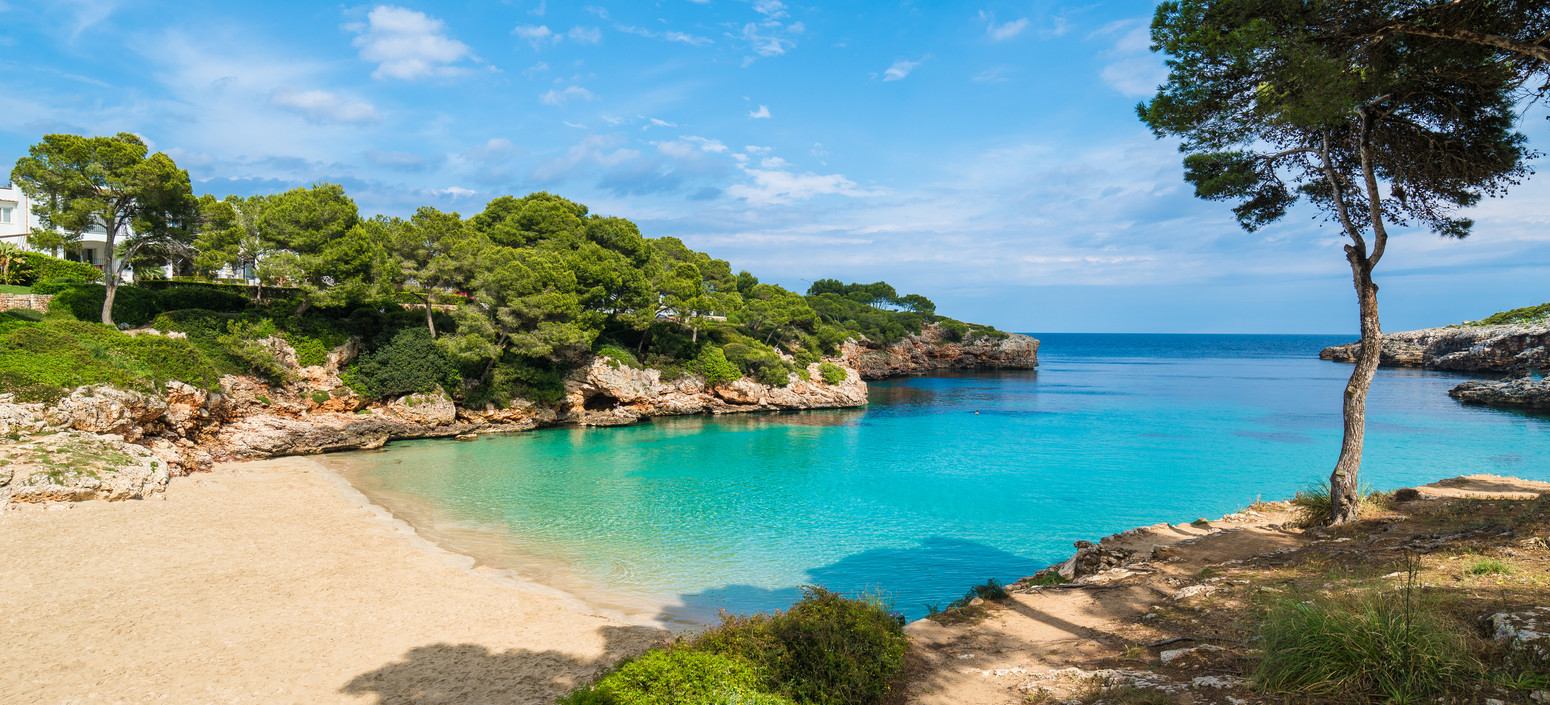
(10, 253)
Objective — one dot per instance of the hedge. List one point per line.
(35, 267)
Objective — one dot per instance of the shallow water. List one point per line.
(918, 496)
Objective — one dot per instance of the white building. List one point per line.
(17, 221)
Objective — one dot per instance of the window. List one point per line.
(5, 215)
(89, 256)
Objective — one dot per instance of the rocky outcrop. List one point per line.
(1509, 348)
(72, 466)
(267, 435)
(609, 393)
(934, 349)
(1521, 392)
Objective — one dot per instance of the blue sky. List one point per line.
(986, 155)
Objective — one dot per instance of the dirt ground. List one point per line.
(1063, 642)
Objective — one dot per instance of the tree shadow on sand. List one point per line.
(936, 571)
(471, 674)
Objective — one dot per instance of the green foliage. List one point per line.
(177, 298)
(132, 305)
(714, 365)
(677, 677)
(1364, 647)
(35, 267)
(25, 314)
(409, 363)
(39, 360)
(58, 284)
(1526, 314)
(1489, 566)
(1313, 506)
(827, 649)
(619, 355)
(242, 340)
(319, 396)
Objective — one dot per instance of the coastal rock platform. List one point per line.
(1503, 349)
(935, 349)
(1521, 392)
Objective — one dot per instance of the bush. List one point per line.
(827, 649)
(677, 677)
(714, 365)
(832, 373)
(54, 286)
(242, 341)
(178, 298)
(1489, 566)
(1363, 648)
(409, 363)
(776, 375)
(132, 305)
(25, 314)
(619, 354)
(1312, 504)
(36, 267)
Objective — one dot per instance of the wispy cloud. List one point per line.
(407, 44)
(1003, 31)
(777, 186)
(763, 113)
(666, 35)
(901, 69)
(561, 97)
(323, 107)
(585, 35)
(1131, 68)
(537, 35)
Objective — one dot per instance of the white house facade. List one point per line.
(17, 221)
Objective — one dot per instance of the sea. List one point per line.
(940, 483)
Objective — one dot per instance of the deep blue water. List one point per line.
(918, 496)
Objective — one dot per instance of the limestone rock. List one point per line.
(72, 466)
(431, 409)
(931, 350)
(264, 435)
(103, 409)
(1520, 392)
(1091, 559)
(1508, 348)
(1526, 636)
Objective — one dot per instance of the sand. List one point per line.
(274, 582)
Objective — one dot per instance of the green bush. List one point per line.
(36, 266)
(677, 677)
(177, 298)
(714, 365)
(1363, 648)
(241, 340)
(25, 314)
(826, 650)
(832, 373)
(40, 358)
(776, 375)
(132, 305)
(54, 286)
(619, 354)
(1527, 314)
(409, 363)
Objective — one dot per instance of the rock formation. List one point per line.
(71, 466)
(1509, 348)
(1521, 392)
(933, 349)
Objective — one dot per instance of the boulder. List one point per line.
(1525, 638)
(104, 409)
(72, 466)
(265, 435)
(430, 409)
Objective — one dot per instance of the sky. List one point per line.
(986, 155)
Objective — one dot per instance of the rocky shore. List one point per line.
(1521, 392)
(1499, 349)
(934, 349)
(99, 442)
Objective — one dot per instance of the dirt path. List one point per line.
(268, 583)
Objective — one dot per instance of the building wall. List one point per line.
(94, 243)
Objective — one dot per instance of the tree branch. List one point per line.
(1374, 202)
(1516, 46)
(1339, 195)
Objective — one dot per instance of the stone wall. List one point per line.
(36, 302)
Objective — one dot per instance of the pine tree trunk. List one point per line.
(109, 277)
(1344, 486)
(430, 323)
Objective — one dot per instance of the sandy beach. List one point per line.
(273, 582)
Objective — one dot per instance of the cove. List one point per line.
(940, 483)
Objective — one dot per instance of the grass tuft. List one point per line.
(1489, 566)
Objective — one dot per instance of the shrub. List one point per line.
(1312, 504)
(832, 373)
(1406, 494)
(776, 375)
(714, 365)
(36, 267)
(54, 286)
(25, 314)
(177, 298)
(131, 304)
(1363, 648)
(677, 677)
(1527, 314)
(827, 649)
(242, 341)
(620, 354)
(409, 363)
(954, 330)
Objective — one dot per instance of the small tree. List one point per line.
(231, 234)
(326, 251)
(140, 202)
(421, 253)
(1276, 100)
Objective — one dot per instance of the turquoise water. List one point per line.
(918, 496)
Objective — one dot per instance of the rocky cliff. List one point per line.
(933, 349)
(99, 442)
(1507, 349)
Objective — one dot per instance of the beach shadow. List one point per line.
(937, 570)
(466, 674)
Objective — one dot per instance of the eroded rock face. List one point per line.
(1464, 349)
(72, 466)
(264, 436)
(932, 350)
(1522, 392)
(607, 393)
(430, 409)
(103, 409)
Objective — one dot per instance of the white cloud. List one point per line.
(559, 98)
(902, 68)
(536, 69)
(670, 35)
(543, 6)
(773, 9)
(1003, 31)
(1132, 68)
(585, 35)
(996, 74)
(323, 106)
(663, 123)
(764, 41)
(593, 150)
(536, 34)
(773, 187)
(763, 113)
(707, 145)
(455, 192)
(756, 149)
(407, 44)
(774, 163)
